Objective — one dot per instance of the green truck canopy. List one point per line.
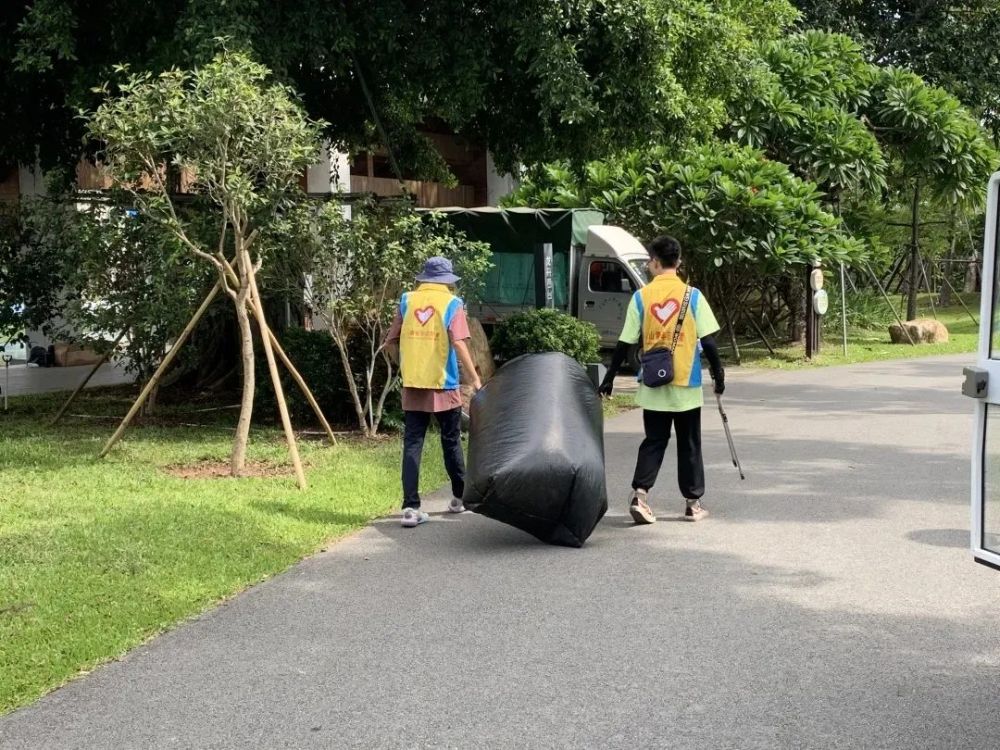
(515, 235)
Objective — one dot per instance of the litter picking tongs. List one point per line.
(729, 436)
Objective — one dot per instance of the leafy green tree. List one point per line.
(938, 148)
(244, 141)
(126, 275)
(357, 270)
(858, 130)
(33, 263)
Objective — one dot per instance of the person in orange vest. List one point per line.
(428, 338)
(667, 314)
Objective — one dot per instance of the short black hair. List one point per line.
(665, 249)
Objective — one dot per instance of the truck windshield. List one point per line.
(639, 266)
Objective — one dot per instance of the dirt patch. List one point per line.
(220, 470)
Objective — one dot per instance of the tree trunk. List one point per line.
(386, 390)
(150, 405)
(238, 459)
(911, 299)
(795, 301)
(345, 362)
(369, 396)
(972, 275)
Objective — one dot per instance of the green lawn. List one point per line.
(866, 345)
(97, 556)
(618, 403)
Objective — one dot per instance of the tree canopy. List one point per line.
(531, 80)
(949, 44)
(728, 205)
(848, 124)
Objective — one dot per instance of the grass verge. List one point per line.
(863, 345)
(97, 556)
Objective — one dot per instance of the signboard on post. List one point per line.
(544, 284)
(816, 305)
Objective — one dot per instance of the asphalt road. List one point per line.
(830, 601)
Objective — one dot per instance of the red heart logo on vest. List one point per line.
(664, 311)
(424, 314)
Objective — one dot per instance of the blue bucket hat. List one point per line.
(437, 270)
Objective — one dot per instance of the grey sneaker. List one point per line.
(695, 512)
(455, 505)
(414, 517)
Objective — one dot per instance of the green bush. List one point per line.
(316, 358)
(546, 331)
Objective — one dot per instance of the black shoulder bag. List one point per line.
(658, 364)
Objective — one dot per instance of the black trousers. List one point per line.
(690, 469)
(414, 432)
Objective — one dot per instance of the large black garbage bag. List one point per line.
(536, 450)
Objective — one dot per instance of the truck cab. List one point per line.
(612, 268)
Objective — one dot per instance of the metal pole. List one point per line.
(927, 283)
(810, 317)
(729, 436)
(572, 273)
(6, 366)
(843, 305)
(544, 290)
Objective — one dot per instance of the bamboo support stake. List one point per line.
(927, 283)
(958, 296)
(79, 388)
(279, 393)
(301, 383)
(153, 381)
(296, 375)
(760, 332)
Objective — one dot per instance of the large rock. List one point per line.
(482, 356)
(922, 331)
(479, 348)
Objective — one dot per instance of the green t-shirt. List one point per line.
(671, 397)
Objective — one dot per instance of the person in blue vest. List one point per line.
(668, 313)
(428, 338)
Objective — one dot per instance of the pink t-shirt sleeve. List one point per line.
(459, 328)
(395, 329)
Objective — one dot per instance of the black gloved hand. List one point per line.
(720, 385)
(606, 387)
